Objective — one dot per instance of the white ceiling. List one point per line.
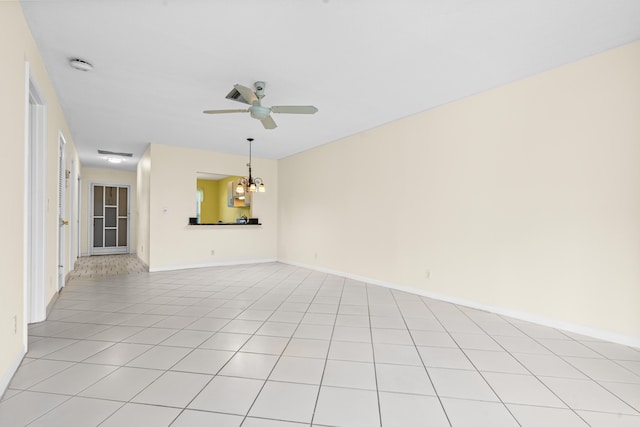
(363, 63)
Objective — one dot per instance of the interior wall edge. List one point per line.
(631, 341)
(10, 372)
(141, 261)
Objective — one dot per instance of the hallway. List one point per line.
(270, 345)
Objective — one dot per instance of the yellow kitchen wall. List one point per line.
(107, 176)
(173, 243)
(215, 206)
(210, 206)
(17, 49)
(524, 200)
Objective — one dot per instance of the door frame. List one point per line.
(78, 218)
(35, 202)
(73, 215)
(62, 210)
(118, 249)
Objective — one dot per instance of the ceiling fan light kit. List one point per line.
(245, 95)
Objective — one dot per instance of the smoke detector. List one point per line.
(80, 64)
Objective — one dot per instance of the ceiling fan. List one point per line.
(247, 96)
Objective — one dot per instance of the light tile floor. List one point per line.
(275, 345)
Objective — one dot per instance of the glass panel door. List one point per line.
(110, 219)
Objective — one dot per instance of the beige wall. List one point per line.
(107, 176)
(16, 48)
(525, 198)
(172, 183)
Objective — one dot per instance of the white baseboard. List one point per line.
(602, 334)
(9, 373)
(213, 264)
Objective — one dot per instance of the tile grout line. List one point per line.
(326, 359)
(521, 364)
(561, 357)
(424, 365)
(373, 353)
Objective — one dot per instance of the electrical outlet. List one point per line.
(427, 274)
(15, 324)
(315, 255)
(213, 251)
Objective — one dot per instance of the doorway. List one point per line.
(35, 203)
(109, 219)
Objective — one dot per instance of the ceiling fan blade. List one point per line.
(294, 109)
(246, 95)
(224, 111)
(268, 123)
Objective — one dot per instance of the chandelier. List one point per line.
(250, 183)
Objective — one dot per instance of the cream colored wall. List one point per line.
(175, 244)
(143, 202)
(16, 48)
(107, 176)
(525, 198)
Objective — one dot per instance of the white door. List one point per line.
(109, 219)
